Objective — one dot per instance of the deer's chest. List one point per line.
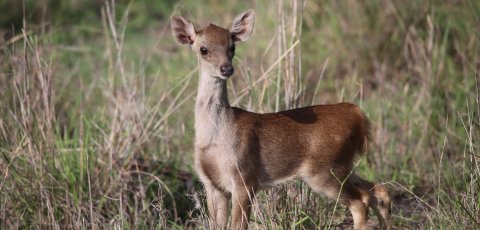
(215, 165)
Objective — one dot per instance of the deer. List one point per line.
(237, 152)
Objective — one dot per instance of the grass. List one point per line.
(96, 129)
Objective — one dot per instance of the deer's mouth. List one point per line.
(224, 77)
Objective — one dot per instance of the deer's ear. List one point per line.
(183, 30)
(242, 26)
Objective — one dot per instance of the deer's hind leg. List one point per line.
(355, 198)
(380, 201)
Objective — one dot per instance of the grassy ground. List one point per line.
(96, 129)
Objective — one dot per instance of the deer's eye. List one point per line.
(203, 51)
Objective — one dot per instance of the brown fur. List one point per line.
(329, 134)
(239, 152)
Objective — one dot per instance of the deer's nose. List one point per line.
(226, 70)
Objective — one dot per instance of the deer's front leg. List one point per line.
(241, 206)
(217, 207)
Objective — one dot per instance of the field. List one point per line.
(96, 101)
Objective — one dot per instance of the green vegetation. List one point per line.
(96, 129)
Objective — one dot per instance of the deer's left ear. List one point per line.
(242, 26)
(183, 30)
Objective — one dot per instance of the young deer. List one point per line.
(238, 152)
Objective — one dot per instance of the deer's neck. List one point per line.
(212, 110)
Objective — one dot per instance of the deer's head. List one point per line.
(214, 45)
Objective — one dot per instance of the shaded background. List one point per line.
(96, 129)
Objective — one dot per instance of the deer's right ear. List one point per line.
(183, 30)
(242, 26)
